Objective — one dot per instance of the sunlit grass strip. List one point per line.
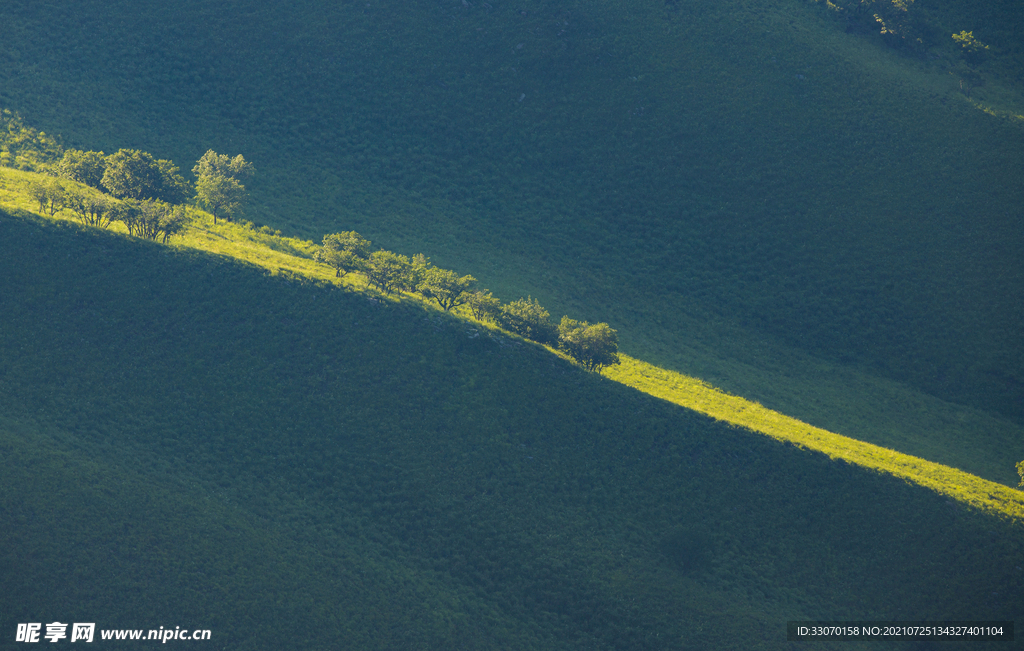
(241, 243)
(702, 397)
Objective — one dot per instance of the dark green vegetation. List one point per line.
(189, 441)
(774, 196)
(742, 189)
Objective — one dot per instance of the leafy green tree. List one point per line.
(98, 211)
(483, 305)
(85, 167)
(128, 212)
(592, 346)
(39, 193)
(58, 196)
(526, 317)
(51, 195)
(219, 186)
(151, 219)
(91, 208)
(88, 207)
(175, 221)
(221, 196)
(82, 204)
(173, 186)
(132, 174)
(214, 164)
(446, 287)
(387, 271)
(345, 252)
(972, 50)
(1020, 471)
(415, 275)
(151, 213)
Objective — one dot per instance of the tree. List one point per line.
(51, 195)
(592, 346)
(221, 196)
(150, 219)
(387, 271)
(1020, 471)
(415, 275)
(39, 192)
(176, 221)
(345, 252)
(128, 212)
(88, 207)
(526, 317)
(214, 164)
(151, 213)
(85, 167)
(173, 186)
(132, 174)
(219, 185)
(23, 147)
(446, 287)
(483, 305)
(98, 207)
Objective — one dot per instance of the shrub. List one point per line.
(527, 318)
(484, 305)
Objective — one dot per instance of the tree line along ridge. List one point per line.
(154, 201)
(593, 346)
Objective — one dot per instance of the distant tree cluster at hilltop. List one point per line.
(23, 147)
(148, 195)
(593, 346)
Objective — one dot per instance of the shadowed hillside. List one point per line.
(295, 466)
(735, 186)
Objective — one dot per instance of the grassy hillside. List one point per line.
(734, 186)
(293, 465)
(924, 444)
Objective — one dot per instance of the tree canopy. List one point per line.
(91, 208)
(484, 305)
(51, 195)
(219, 185)
(526, 317)
(345, 252)
(592, 346)
(150, 219)
(387, 271)
(86, 167)
(214, 164)
(23, 147)
(446, 287)
(134, 174)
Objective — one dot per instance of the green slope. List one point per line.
(735, 186)
(295, 466)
